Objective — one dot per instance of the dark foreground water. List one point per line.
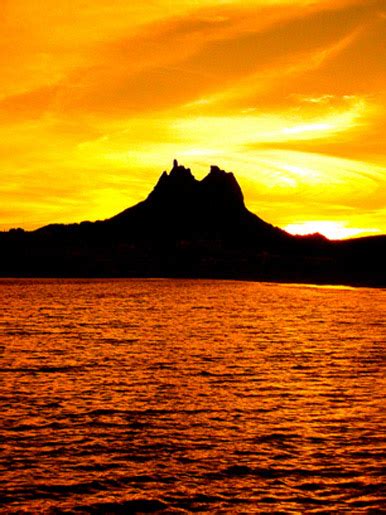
(125, 396)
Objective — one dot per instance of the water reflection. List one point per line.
(193, 395)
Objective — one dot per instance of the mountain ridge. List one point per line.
(183, 206)
(190, 228)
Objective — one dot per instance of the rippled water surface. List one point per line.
(124, 396)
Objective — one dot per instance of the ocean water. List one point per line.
(181, 396)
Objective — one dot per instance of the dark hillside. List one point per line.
(190, 228)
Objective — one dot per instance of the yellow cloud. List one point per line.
(96, 98)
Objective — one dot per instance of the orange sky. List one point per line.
(98, 96)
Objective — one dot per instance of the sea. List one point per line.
(191, 396)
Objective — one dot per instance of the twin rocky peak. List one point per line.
(180, 206)
(181, 188)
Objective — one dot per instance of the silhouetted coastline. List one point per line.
(193, 229)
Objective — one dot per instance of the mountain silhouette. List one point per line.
(181, 207)
(190, 228)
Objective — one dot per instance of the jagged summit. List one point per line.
(175, 186)
(219, 188)
(224, 186)
(180, 171)
(182, 207)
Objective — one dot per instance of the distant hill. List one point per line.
(190, 228)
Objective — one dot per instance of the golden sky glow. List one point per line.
(97, 98)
